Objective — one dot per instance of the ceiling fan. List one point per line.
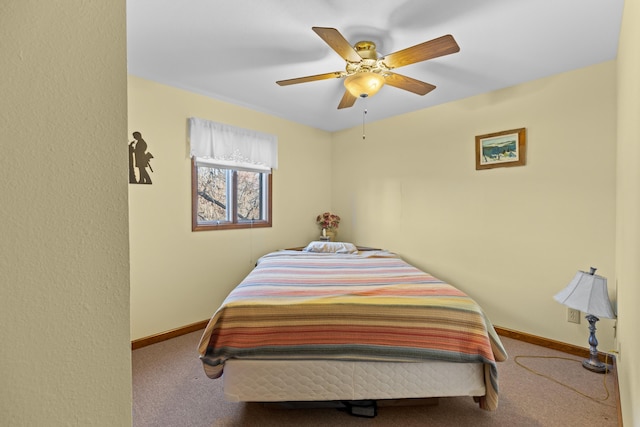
(365, 73)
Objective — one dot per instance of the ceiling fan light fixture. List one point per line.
(364, 84)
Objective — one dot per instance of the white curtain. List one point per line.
(219, 144)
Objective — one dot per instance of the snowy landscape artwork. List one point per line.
(501, 149)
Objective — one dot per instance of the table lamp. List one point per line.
(588, 293)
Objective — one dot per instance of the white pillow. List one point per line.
(331, 247)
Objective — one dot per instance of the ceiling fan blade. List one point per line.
(347, 100)
(441, 46)
(409, 84)
(337, 42)
(325, 76)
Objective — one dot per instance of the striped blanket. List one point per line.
(365, 306)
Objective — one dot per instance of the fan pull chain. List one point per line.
(364, 113)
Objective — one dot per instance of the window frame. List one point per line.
(233, 224)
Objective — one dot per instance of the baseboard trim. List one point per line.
(510, 333)
(163, 336)
(549, 343)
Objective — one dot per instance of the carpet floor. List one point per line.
(538, 387)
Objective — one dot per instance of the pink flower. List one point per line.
(328, 220)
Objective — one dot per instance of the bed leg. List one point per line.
(481, 401)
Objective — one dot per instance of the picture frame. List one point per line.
(501, 149)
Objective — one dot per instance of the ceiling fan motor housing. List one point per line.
(366, 49)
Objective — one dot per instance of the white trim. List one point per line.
(227, 164)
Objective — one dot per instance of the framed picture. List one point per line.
(501, 149)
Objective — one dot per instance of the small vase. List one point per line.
(331, 234)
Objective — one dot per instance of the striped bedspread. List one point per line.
(365, 306)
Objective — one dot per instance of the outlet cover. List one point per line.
(573, 315)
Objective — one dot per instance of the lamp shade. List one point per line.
(588, 293)
(364, 84)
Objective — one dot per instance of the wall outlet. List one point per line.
(573, 315)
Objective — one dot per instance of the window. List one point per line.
(231, 176)
(226, 198)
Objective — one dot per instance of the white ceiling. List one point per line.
(235, 50)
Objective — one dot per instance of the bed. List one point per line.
(333, 323)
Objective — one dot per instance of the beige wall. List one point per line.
(64, 259)
(628, 213)
(510, 237)
(179, 277)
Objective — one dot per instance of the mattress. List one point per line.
(327, 380)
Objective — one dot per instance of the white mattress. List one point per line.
(321, 380)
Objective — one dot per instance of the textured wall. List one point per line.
(64, 261)
(628, 213)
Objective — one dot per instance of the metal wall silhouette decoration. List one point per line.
(140, 159)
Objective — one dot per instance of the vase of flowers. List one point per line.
(328, 223)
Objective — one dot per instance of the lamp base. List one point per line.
(593, 363)
(596, 366)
